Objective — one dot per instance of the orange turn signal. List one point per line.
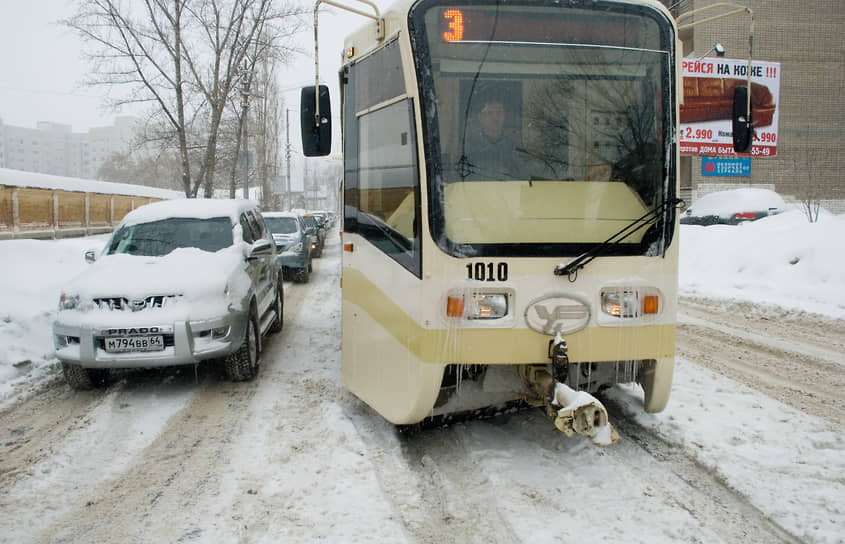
(347, 247)
(651, 303)
(455, 306)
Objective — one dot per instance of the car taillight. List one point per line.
(746, 215)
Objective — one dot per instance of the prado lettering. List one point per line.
(133, 331)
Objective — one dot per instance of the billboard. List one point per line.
(705, 115)
(726, 166)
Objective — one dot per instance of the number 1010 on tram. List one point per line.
(510, 226)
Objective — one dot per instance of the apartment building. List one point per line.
(53, 148)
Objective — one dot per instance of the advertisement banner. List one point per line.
(738, 166)
(709, 85)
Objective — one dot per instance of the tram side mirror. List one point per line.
(316, 137)
(743, 125)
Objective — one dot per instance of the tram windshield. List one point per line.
(546, 126)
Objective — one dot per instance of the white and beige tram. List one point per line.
(478, 271)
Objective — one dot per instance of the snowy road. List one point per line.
(794, 358)
(293, 457)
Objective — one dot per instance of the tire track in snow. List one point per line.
(796, 359)
(707, 497)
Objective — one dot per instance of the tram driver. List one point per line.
(492, 149)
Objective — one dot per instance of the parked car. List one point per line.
(318, 233)
(293, 244)
(322, 219)
(179, 282)
(733, 207)
(326, 216)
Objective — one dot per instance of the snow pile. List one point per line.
(781, 260)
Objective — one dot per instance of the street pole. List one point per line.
(244, 120)
(244, 146)
(287, 158)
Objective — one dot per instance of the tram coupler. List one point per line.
(571, 411)
(559, 354)
(558, 351)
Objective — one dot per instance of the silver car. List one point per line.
(179, 282)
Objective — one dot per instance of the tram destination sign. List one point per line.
(705, 119)
(484, 25)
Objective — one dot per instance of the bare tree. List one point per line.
(159, 170)
(811, 166)
(185, 58)
(268, 127)
(255, 117)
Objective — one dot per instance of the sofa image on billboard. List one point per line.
(711, 99)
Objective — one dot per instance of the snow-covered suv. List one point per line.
(179, 282)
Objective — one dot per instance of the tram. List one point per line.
(510, 210)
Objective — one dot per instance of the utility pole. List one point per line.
(244, 119)
(287, 158)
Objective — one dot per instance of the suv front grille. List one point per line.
(134, 305)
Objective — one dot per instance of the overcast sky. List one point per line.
(42, 68)
(42, 73)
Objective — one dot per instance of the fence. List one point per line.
(41, 206)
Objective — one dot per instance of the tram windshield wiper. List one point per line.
(648, 219)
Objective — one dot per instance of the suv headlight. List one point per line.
(68, 302)
(296, 248)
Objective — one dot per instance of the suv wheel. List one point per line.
(302, 274)
(278, 309)
(81, 378)
(242, 365)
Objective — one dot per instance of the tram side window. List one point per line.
(381, 180)
(388, 184)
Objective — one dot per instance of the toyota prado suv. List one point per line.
(179, 282)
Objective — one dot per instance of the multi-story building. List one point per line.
(806, 39)
(53, 148)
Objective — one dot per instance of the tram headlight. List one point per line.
(627, 303)
(488, 306)
(477, 305)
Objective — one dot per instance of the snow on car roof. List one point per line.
(745, 199)
(279, 214)
(202, 208)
